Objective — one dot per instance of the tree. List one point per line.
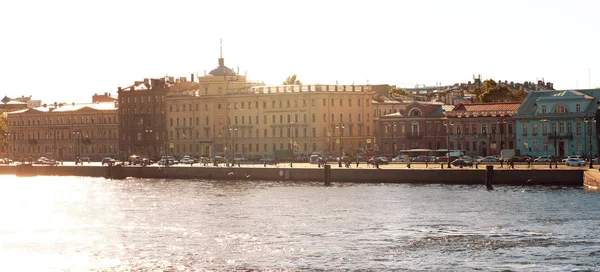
(3, 129)
(491, 91)
(521, 94)
(397, 92)
(291, 80)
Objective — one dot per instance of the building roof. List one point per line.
(222, 70)
(70, 107)
(447, 108)
(528, 107)
(485, 107)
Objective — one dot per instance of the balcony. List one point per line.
(414, 135)
(560, 136)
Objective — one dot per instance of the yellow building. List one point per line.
(227, 115)
(64, 131)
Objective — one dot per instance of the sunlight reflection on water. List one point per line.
(75, 223)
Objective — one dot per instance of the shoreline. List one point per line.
(522, 177)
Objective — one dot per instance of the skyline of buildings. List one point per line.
(221, 113)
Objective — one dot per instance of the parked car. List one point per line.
(575, 162)
(186, 160)
(463, 162)
(85, 159)
(6, 161)
(135, 159)
(489, 159)
(108, 161)
(573, 157)
(267, 160)
(314, 159)
(219, 159)
(543, 159)
(239, 158)
(381, 160)
(399, 159)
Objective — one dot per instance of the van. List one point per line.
(135, 159)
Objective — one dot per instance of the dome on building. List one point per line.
(222, 70)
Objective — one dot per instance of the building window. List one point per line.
(543, 108)
(577, 107)
(578, 128)
(544, 128)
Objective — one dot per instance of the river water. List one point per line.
(87, 224)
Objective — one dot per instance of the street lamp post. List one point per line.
(148, 136)
(292, 144)
(589, 122)
(77, 135)
(392, 125)
(340, 126)
(233, 131)
(501, 122)
(448, 124)
(8, 135)
(554, 135)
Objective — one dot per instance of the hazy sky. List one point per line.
(68, 50)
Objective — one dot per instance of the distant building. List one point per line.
(558, 123)
(228, 115)
(103, 98)
(142, 126)
(64, 131)
(418, 126)
(8, 104)
(482, 129)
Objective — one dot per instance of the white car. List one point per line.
(575, 162)
(543, 159)
(573, 157)
(186, 160)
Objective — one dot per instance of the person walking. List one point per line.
(357, 162)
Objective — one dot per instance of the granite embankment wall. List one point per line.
(567, 177)
(591, 179)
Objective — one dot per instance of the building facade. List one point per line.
(482, 129)
(558, 123)
(142, 126)
(63, 131)
(229, 116)
(419, 126)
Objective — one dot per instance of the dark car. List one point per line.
(267, 160)
(108, 160)
(459, 162)
(381, 160)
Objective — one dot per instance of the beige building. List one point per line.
(64, 131)
(228, 115)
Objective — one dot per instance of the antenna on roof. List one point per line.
(221, 42)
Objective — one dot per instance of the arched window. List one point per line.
(415, 112)
(560, 108)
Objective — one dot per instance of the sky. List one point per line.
(65, 51)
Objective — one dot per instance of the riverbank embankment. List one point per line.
(565, 177)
